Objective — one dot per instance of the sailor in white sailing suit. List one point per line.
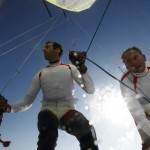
(138, 101)
(58, 105)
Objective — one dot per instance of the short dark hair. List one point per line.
(129, 49)
(56, 45)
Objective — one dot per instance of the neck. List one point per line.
(142, 73)
(53, 62)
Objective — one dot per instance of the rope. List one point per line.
(98, 26)
(14, 38)
(27, 41)
(47, 8)
(21, 44)
(29, 55)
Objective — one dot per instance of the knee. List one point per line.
(77, 124)
(80, 123)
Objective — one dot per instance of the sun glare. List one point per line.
(108, 103)
(114, 125)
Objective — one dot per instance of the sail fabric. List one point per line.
(73, 5)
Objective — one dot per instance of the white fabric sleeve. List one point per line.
(29, 98)
(84, 80)
(136, 109)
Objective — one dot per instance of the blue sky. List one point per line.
(125, 24)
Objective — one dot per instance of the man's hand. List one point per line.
(78, 59)
(4, 107)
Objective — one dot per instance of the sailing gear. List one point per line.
(78, 59)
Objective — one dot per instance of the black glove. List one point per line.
(4, 107)
(78, 59)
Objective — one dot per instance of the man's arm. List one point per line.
(27, 101)
(79, 71)
(83, 80)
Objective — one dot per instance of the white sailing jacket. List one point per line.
(136, 103)
(57, 84)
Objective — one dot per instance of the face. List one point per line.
(134, 61)
(50, 53)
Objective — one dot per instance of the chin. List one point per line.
(138, 71)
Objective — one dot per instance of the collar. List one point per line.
(141, 74)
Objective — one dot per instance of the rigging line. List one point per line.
(19, 68)
(26, 41)
(65, 14)
(50, 12)
(38, 44)
(47, 8)
(114, 77)
(98, 26)
(14, 38)
(88, 35)
(21, 44)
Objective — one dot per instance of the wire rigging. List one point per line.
(19, 45)
(50, 12)
(98, 26)
(18, 70)
(88, 35)
(14, 38)
(47, 9)
(22, 44)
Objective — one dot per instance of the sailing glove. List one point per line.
(78, 59)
